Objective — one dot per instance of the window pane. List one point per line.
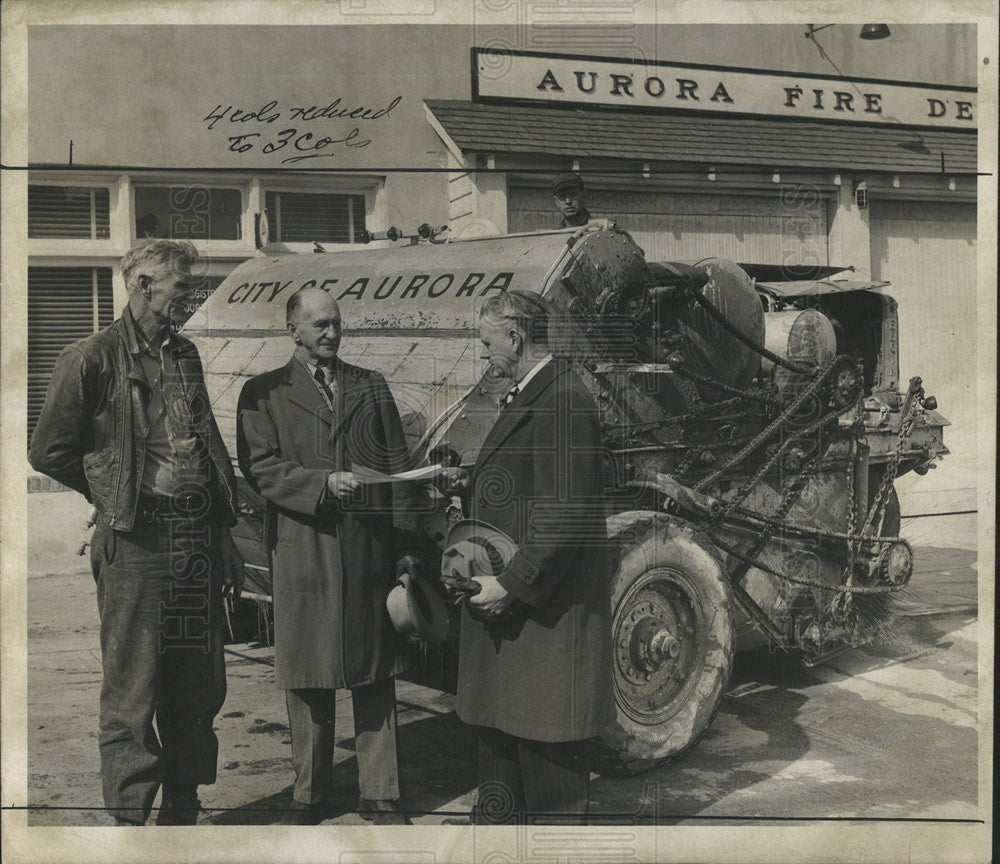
(191, 212)
(68, 212)
(305, 217)
(61, 309)
(358, 202)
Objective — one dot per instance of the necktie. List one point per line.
(320, 375)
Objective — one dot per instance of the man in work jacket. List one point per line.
(127, 423)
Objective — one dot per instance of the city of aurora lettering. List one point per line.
(365, 287)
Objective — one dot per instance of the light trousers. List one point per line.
(311, 716)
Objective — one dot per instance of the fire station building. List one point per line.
(759, 162)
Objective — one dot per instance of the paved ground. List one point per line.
(887, 731)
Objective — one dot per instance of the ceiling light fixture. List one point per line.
(868, 31)
(875, 31)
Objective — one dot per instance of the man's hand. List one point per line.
(232, 566)
(492, 601)
(408, 564)
(452, 481)
(341, 484)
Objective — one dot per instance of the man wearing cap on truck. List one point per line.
(567, 189)
(534, 670)
(335, 545)
(127, 423)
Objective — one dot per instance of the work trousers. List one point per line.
(531, 782)
(311, 715)
(162, 657)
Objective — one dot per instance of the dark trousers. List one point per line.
(531, 782)
(161, 655)
(311, 715)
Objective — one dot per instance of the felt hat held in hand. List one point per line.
(417, 611)
(474, 549)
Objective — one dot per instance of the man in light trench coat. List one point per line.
(335, 547)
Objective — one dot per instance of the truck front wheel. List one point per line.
(673, 635)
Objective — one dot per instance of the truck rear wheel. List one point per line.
(674, 639)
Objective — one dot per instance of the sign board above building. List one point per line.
(622, 83)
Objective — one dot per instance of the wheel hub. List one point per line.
(652, 644)
(658, 648)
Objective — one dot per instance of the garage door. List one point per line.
(927, 250)
(789, 227)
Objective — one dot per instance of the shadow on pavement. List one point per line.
(753, 736)
(437, 764)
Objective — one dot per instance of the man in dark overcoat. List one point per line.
(535, 655)
(335, 546)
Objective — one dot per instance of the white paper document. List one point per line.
(369, 475)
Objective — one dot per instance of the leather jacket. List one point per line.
(86, 437)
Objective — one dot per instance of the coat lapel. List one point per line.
(513, 417)
(349, 393)
(303, 392)
(507, 423)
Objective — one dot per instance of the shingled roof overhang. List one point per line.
(698, 140)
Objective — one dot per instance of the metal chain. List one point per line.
(793, 491)
(852, 509)
(798, 483)
(749, 393)
(808, 583)
(695, 454)
(790, 497)
(702, 412)
(771, 428)
(817, 533)
(778, 520)
(761, 472)
(892, 466)
(853, 545)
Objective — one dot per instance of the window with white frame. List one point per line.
(190, 211)
(64, 304)
(315, 217)
(68, 212)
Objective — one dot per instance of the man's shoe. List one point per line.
(118, 822)
(182, 807)
(304, 814)
(383, 811)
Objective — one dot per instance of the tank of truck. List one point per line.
(752, 433)
(410, 312)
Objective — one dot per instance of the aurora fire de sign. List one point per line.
(597, 81)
